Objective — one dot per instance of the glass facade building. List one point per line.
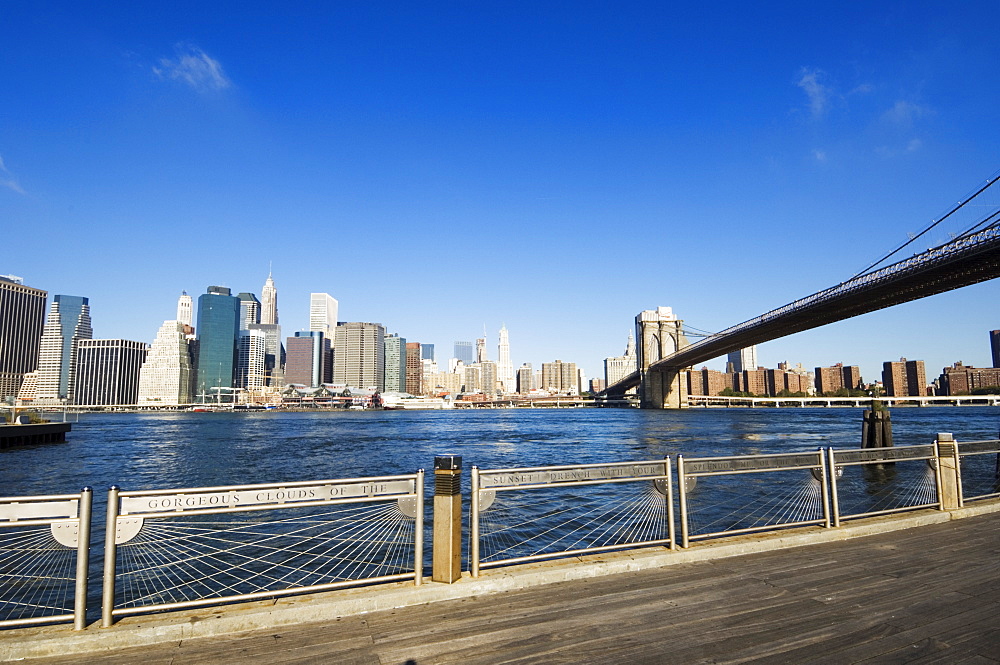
(218, 335)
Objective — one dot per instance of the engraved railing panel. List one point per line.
(185, 548)
(44, 555)
(878, 481)
(527, 514)
(749, 493)
(980, 469)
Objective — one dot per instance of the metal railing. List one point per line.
(176, 548)
(44, 558)
(170, 549)
(531, 513)
(793, 494)
(979, 475)
(879, 481)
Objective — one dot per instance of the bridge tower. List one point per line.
(660, 334)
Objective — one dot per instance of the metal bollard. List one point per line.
(447, 559)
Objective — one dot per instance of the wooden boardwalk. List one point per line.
(924, 595)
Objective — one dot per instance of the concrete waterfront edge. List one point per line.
(231, 619)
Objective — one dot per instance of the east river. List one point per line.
(179, 450)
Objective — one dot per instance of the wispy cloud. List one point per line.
(817, 93)
(6, 179)
(888, 152)
(195, 68)
(820, 155)
(905, 113)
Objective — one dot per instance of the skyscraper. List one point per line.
(249, 310)
(414, 368)
(185, 309)
(427, 352)
(269, 302)
(108, 371)
(560, 377)
(166, 376)
(308, 355)
(525, 379)
(481, 350)
(67, 324)
(505, 369)
(323, 313)
(359, 360)
(395, 363)
(218, 331)
(743, 359)
(274, 353)
(465, 351)
(617, 368)
(250, 366)
(22, 315)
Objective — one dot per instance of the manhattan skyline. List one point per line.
(557, 172)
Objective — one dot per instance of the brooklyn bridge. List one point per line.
(970, 257)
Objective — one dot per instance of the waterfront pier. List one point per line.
(872, 592)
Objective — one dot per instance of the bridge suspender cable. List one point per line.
(989, 182)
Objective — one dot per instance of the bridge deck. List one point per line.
(924, 595)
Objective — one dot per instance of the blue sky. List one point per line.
(557, 167)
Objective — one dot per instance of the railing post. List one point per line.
(831, 474)
(82, 558)
(110, 554)
(418, 535)
(671, 529)
(682, 500)
(447, 546)
(474, 522)
(949, 476)
(825, 489)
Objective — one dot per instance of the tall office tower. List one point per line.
(995, 347)
(465, 351)
(505, 369)
(359, 360)
(107, 371)
(414, 368)
(218, 333)
(743, 359)
(617, 368)
(308, 355)
(250, 369)
(427, 352)
(323, 314)
(905, 378)
(249, 310)
(481, 350)
(395, 363)
(22, 315)
(269, 302)
(560, 377)
(67, 324)
(166, 376)
(488, 378)
(274, 353)
(525, 379)
(185, 309)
